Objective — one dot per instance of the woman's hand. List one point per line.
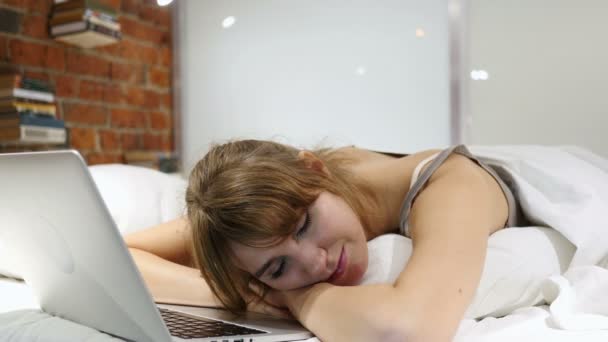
(273, 303)
(285, 304)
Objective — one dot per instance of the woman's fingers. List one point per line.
(256, 289)
(272, 297)
(267, 309)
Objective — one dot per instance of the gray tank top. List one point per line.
(515, 219)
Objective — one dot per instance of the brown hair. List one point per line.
(253, 192)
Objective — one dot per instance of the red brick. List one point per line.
(148, 55)
(130, 6)
(160, 120)
(114, 4)
(82, 138)
(140, 74)
(130, 73)
(109, 140)
(35, 54)
(156, 15)
(136, 96)
(128, 118)
(152, 99)
(113, 94)
(38, 75)
(137, 29)
(133, 51)
(152, 141)
(85, 113)
(40, 6)
(55, 58)
(166, 142)
(59, 110)
(165, 100)
(129, 49)
(104, 158)
(158, 77)
(3, 49)
(88, 65)
(66, 86)
(130, 141)
(35, 26)
(27, 53)
(15, 3)
(112, 49)
(165, 56)
(90, 90)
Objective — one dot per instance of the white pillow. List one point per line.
(136, 197)
(517, 261)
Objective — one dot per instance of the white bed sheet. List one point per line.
(21, 321)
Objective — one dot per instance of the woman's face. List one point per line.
(329, 245)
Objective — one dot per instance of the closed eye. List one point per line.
(304, 227)
(299, 233)
(279, 270)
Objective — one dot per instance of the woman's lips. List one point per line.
(340, 268)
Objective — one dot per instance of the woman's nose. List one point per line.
(315, 261)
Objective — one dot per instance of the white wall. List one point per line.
(547, 62)
(314, 71)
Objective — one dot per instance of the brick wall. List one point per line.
(114, 99)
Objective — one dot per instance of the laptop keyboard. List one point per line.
(187, 327)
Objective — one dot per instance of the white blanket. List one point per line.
(566, 189)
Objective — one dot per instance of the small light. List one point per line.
(361, 70)
(479, 75)
(163, 2)
(229, 21)
(420, 33)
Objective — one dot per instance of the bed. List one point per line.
(561, 296)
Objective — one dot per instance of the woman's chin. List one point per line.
(352, 277)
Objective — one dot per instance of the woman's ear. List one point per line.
(312, 162)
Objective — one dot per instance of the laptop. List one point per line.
(71, 254)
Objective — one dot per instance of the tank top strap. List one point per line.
(419, 167)
(418, 182)
(419, 179)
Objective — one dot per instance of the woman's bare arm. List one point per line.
(450, 224)
(162, 255)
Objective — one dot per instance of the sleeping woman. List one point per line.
(283, 231)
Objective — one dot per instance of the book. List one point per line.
(92, 17)
(92, 4)
(80, 14)
(82, 26)
(16, 119)
(41, 108)
(18, 93)
(33, 134)
(20, 81)
(10, 81)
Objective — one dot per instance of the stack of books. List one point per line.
(86, 23)
(28, 112)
